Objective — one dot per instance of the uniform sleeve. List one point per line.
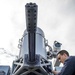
(68, 68)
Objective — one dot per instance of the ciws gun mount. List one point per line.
(33, 56)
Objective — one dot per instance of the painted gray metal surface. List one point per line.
(40, 44)
(4, 70)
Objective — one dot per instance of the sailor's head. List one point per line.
(62, 55)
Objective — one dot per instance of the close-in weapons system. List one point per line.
(33, 56)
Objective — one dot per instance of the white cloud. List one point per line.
(55, 17)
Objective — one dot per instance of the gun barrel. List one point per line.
(31, 24)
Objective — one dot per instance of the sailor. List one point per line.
(68, 61)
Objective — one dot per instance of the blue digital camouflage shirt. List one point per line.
(69, 67)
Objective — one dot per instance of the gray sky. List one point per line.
(55, 17)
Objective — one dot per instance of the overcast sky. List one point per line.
(55, 17)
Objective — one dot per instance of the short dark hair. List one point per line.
(62, 52)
